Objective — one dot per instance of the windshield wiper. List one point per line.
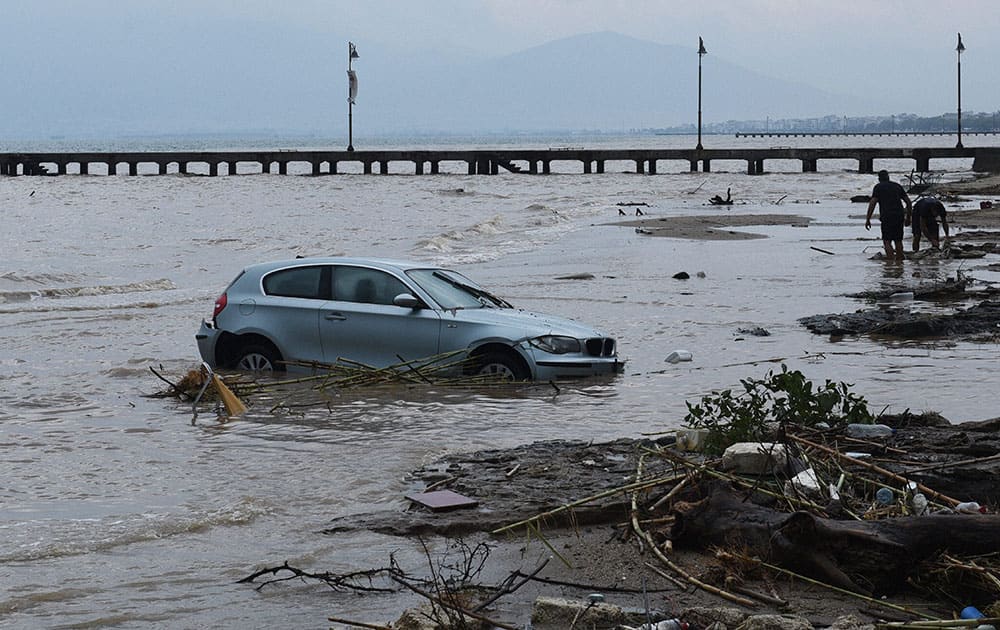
(479, 294)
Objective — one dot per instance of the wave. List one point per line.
(70, 292)
(38, 278)
(449, 241)
(80, 536)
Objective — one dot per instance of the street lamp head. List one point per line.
(353, 50)
(961, 47)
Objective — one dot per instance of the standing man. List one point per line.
(927, 213)
(890, 197)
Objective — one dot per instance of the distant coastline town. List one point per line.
(982, 122)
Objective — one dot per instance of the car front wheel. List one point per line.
(259, 359)
(501, 367)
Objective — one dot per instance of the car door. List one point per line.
(288, 314)
(362, 324)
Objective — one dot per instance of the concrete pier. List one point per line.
(480, 162)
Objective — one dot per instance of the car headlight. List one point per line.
(555, 344)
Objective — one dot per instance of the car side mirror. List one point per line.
(407, 301)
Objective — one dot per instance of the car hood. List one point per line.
(528, 323)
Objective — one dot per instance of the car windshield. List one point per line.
(453, 290)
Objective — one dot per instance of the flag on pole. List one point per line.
(701, 47)
(961, 47)
(352, 86)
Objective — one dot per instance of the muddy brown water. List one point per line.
(115, 509)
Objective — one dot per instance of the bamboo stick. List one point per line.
(870, 600)
(882, 471)
(644, 535)
(594, 497)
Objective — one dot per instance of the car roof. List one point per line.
(386, 264)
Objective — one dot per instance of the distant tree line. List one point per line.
(895, 123)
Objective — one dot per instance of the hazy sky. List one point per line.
(833, 44)
(899, 53)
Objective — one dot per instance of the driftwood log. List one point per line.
(870, 557)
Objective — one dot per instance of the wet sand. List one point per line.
(712, 228)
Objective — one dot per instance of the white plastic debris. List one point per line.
(806, 482)
(678, 355)
(691, 439)
(755, 458)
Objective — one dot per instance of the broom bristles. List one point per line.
(234, 406)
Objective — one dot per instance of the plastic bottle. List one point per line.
(678, 355)
(884, 496)
(969, 507)
(971, 612)
(869, 431)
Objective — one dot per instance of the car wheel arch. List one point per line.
(520, 366)
(231, 345)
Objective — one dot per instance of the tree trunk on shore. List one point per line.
(862, 556)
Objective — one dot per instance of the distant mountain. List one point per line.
(603, 81)
(223, 77)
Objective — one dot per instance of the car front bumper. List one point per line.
(548, 366)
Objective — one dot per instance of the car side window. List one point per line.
(299, 282)
(366, 286)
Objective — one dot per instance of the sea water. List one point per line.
(117, 510)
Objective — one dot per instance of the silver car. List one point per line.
(382, 312)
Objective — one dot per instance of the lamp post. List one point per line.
(352, 93)
(701, 53)
(959, 49)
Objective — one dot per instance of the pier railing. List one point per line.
(476, 162)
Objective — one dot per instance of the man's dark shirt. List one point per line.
(929, 208)
(890, 199)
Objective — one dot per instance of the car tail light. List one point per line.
(220, 303)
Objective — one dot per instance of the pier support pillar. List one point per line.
(182, 168)
(367, 168)
(808, 166)
(586, 167)
(265, 166)
(315, 166)
(472, 167)
(213, 169)
(61, 168)
(282, 168)
(418, 167)
(333, 167)
(866, 165)
(751, 167)
(435, 168)
(112, 168)
(923, 164)
(546, 167)
(600, 166)
(383, 168)
(84, 168)
(640, 167)
(494, 167)
(532, 167)
(706, 166)
(694, 166)
(133, 168)
(652, 167)
(162, 168)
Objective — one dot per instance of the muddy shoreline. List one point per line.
(600, 553)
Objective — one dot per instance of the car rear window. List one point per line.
(299, 282)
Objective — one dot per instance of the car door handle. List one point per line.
(336, 316)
